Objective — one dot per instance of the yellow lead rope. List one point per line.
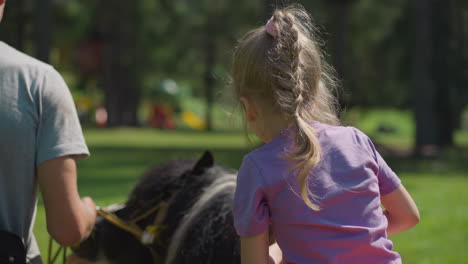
(51, 259)
(130, 227)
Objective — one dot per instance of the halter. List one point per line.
(147, 237)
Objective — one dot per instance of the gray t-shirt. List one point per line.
(38, 122)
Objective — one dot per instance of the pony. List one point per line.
(188, 202)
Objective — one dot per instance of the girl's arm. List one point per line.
(400, 210)
(254, 250)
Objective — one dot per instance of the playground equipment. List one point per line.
(193, 121)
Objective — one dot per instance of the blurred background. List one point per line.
(150, 79)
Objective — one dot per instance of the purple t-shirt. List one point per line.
(346, 184)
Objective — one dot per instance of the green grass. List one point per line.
(152, 138)
(400, 121)
(119, 156)
(442, 234)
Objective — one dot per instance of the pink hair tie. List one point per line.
(270, 27)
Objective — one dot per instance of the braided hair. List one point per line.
(281, 62)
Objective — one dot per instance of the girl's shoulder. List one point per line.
(339, 131)
(328, 136)
(332, 138)
(345, 139)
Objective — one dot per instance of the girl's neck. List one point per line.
(273, 125)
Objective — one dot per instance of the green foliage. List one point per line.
(175, 35)
(73, 20)
(379, 52)
(391, 127)
(171, 39)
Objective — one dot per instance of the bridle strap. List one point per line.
(130, 227)
(150, 211)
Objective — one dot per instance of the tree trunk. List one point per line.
(424, 86)
(210, 61)
(451, 53)
(438, 71)
(120, 84)
(43, 29)
(444, 73)
(20, 24)
(341, 43)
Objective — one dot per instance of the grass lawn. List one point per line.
(119, 156)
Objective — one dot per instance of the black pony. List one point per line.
(197, 223)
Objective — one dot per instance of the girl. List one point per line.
(318, 184)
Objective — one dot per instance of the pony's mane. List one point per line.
(159, 181)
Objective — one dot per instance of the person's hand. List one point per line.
(90, 209)
(90, 206)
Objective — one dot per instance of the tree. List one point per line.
(341, 42)
(447, 68)
(424, 86)
(438, 85)
(118, 24)
(198, 40)
(43, 29)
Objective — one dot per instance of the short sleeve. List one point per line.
(251, 212)
(59, 131)
(388, 180)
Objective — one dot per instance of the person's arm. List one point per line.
(256, 250)
(69, 218)
(400, 210)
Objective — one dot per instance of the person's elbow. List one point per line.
(414, 218)
(68, 234)
(408, 220)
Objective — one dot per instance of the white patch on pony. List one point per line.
(227, 181)
(114, 207)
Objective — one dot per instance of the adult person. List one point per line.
(40, 140)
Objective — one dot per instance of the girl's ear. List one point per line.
(249, 108)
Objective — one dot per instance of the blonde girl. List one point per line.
(318, 185)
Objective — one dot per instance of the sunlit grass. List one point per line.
(442, 234)
(154, 138)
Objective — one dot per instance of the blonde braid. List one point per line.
(291, 86)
